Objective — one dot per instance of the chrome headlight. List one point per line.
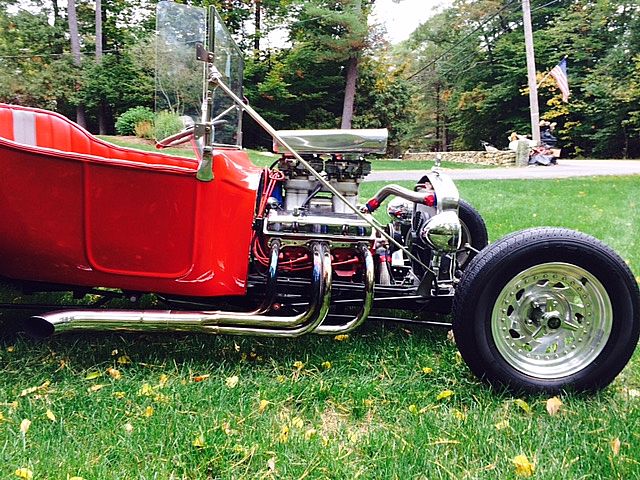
(443, 231)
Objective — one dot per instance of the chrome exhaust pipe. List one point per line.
(369, 282)
(217, 322)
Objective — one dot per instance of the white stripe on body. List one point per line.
(24, 127)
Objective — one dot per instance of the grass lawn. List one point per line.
(200, 407)
(264, 159)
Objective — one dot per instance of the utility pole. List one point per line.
(531, 71)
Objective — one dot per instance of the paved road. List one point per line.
(564, 169)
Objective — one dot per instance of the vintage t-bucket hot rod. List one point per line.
(228, 247)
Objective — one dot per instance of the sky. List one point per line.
(402, 18)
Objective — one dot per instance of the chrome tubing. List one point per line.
(215, 322)
(272, 280)
(369, 281)
(398, 191)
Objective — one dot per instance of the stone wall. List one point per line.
(503, 158)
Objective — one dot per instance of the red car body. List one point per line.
(76, 210)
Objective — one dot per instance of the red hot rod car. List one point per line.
(228, 247)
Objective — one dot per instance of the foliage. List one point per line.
(166, 124)
(474, 74)
(126, 123)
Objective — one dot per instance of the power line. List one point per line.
(422, 69)
(433, 62)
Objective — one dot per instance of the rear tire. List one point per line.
(547, 309)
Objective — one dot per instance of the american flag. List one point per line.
(559, 72)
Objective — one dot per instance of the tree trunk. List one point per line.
(102, 107)
(75, 51)
(349, 92)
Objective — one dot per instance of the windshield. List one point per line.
(228, 60)
(179, 75)
(181, 84)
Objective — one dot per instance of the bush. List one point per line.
(144, 130)
(126, 123)
(167, 124)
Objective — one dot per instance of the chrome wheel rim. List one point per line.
(551, 320)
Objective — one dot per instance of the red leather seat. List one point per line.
(38, 128)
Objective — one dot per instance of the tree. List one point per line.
(336, 31)
(74, 38)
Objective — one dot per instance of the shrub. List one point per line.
(144, 129)
(126, 123)
(167, 124)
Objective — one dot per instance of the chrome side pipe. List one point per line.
(216, 322)
(369, 281)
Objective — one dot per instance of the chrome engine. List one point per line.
(424, 233)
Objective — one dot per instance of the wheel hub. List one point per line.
(551, 320)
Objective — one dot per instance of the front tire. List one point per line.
(547, 309)
(474, 233)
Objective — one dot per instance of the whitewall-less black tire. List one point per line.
(547, 309)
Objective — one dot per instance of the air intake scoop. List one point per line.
(334, 141)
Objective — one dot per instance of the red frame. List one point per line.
(76, 210)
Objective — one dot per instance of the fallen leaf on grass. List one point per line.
(524, 406)
(615, 446)
(146, 390)
(297, 422)
(524, 468)
(128, 427)
(263, 405)
(164, 378)
(232, 382)
(50, 415)
(284, 434)
(24, 473)
(444, 394)
(30, 390)
(310, 433)
(123, 360)
(200, 378)
(93, 375)
(114, 373)
(553, 405)
(11, 349)
(271, 464)
(24, 426)
(341, 338)
(199, 442)
(95, 388)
